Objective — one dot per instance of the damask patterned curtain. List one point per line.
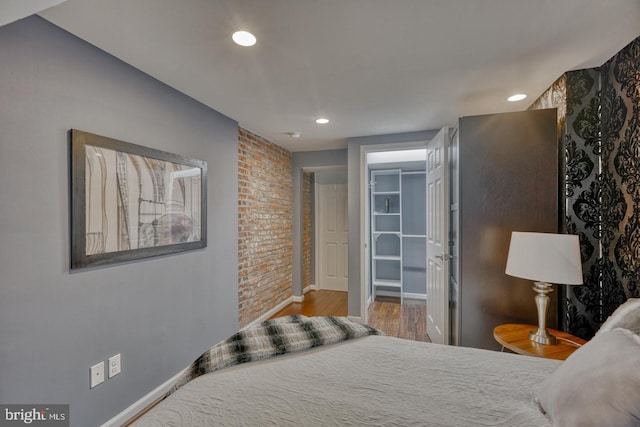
(599, 132)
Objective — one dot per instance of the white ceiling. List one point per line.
(370, 66)
(12, 10)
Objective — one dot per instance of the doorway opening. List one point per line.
(324, 238)
(394, 218)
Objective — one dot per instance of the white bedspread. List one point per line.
(372, 381)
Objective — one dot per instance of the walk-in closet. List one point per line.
(397, 208)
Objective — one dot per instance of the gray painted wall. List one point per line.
(160, 314)
(354, 187)
(307, 160)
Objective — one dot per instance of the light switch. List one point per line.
(114, 365)
(96, 373)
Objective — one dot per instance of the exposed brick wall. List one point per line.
(306, 229)
(265, 239)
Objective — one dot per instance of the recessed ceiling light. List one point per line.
(516, 97)
(244, 38)
(322, 121)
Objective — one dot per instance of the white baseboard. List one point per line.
(410, 295)
(310, 288)
(355, 318)
(304, 291)
(270, 313)
(145, 401)
(407, 295)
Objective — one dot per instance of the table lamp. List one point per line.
(544, 258)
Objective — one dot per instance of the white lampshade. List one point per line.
(545, 257)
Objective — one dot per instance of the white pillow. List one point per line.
(626, 316)
(598, 385)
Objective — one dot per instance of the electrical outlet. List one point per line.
(114, 365)
(96, 373)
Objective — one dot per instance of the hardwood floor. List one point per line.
(318, 303)
(408, 320)
(386, 314)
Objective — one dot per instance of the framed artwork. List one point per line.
(130, 202)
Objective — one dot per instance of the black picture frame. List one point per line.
(129, 202)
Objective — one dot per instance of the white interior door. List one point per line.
(438, 238)
(334, 244)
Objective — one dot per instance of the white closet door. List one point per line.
(438, 238)
(334, 244)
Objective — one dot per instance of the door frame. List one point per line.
(365, 218)
(313, 169)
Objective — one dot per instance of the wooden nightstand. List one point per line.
(515, 337)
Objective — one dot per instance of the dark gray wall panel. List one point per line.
(508, 182)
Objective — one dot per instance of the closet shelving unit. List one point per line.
(386, 229)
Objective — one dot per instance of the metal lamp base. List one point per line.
(541, 336)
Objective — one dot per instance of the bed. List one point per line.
(299, 371)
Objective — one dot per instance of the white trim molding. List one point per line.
(355, 318)
(407, 295)
(310, 288)
(297, 298)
